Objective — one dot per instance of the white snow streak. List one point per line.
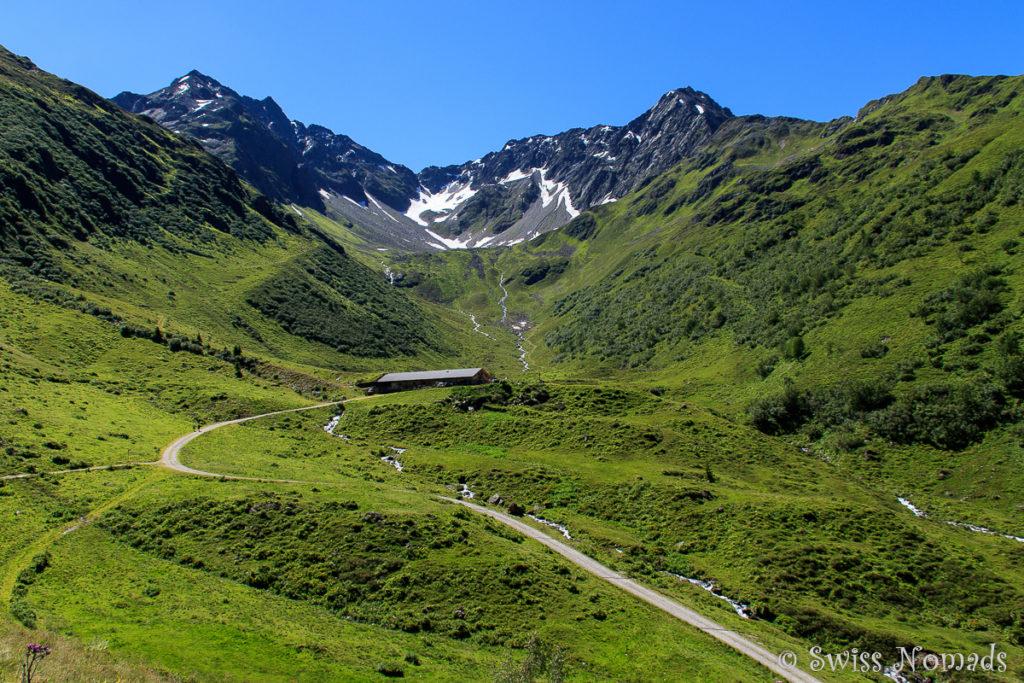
(448, 243)
(514, 176)
(444, 202)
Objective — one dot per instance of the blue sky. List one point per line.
(446, 82)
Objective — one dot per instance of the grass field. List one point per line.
(735, 374)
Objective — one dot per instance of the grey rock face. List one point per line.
(530, 186)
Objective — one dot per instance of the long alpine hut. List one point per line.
(400, 381)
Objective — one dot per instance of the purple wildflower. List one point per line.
(34, 654)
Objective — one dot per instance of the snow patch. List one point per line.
(700, 109)
(376, 203)
(326, 195)
(514, 176)
(551, 190)
(444, 202)
(296, 210)
(567, 204)
(448, 243)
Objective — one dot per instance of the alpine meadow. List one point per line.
(701, 397)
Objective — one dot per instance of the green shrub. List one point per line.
(390, 669)
(972, 300)
(943, 415)
(23, 613)
(794, 348)
(781, 413)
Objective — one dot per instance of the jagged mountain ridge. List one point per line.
(530, 186)
(99, 202)
(284, 159)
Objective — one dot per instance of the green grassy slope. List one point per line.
(852, 284)
(317, 588)
(849, 291)
(106, 212)
(766, 346)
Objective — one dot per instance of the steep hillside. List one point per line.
(781, 229)
(853, 285)
(106, 212)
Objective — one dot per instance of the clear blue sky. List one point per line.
(445, 82)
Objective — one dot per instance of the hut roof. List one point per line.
(428, 375)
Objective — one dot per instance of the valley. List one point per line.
(770, 381)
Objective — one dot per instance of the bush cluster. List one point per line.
(20, 609)
(945, 415)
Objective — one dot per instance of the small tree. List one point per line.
(543, 662)
(794, 348)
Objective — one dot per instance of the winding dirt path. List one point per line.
(96, 468)
(587, 563)
(170, 459)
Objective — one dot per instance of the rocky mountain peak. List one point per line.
(530, 185)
